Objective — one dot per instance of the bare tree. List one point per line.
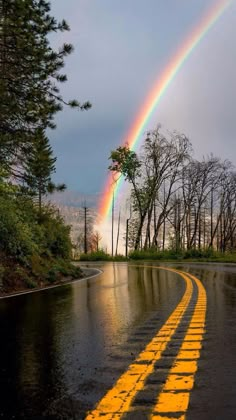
(176, 200)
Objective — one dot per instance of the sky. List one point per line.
(121, 47)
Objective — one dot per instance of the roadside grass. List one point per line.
(15, 277)
(164, 256)
(101, 256)
(190, 255)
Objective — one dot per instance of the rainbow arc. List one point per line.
(155, 95)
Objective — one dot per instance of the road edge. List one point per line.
(89, 275)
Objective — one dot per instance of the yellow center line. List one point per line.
(175, 394)
(117, 400)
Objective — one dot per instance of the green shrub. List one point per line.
(152, 254)
(52, 275)
(16, 235)
(57, 237)
(2, 271)
(71, 270)
(30, 284)
(96, 256)
(195, 254)
(25, 233)
(119, 257)
(33, 245)
(76, 273)
(36, 265)
(198, 253)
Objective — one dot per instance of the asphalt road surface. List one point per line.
(135, 342)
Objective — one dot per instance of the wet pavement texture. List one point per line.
(62, 349)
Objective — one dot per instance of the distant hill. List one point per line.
(75, 199)
(70, 205)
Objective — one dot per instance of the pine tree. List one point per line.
(29, 75)
(39, 167)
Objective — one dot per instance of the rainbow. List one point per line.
(153, 99)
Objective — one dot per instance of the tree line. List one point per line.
(177, 202)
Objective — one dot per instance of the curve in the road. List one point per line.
(173, 399)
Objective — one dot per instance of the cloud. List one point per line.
(120, 48)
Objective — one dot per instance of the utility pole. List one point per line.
(212, 207)
(127, 233)
(126, 237)
(164, 221)
(85, 230)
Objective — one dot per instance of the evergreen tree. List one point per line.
(39, 167)
(29, 74)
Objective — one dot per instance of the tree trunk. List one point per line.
(212, 205)
(148, 230)
(138, 241)
(127, 238)
(118, 234)
(85, 230)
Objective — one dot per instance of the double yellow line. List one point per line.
(175, 394)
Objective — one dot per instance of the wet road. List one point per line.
(63, 349)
